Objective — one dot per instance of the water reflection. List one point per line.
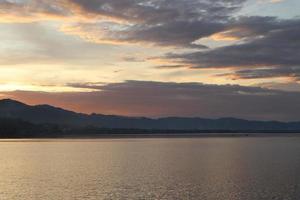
(204, 168)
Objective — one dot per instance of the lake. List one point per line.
(240, 168)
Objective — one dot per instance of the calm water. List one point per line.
(198, 168)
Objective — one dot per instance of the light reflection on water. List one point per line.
(191, 168)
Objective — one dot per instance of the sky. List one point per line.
(154, 58)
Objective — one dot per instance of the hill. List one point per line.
(46, 114)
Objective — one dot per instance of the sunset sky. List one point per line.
(204, 58)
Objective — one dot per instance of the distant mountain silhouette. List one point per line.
(46, 114)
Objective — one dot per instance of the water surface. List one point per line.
(185, 168)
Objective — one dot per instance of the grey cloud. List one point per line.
(177, 33)
(276, 53)
(161, 22)
(249, 27)
(133, 59)
(142, 98)
(169, 66)
(280, 47)
(290, 72)
(287, 86)
(153, 12)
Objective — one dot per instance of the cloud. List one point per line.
(271, 50)
(292, 73)
(97, 86)
(169, 66)
(133, 59)
(288, 86)
(144, 98)
(153, 12)
(173, 23)
(24, 11)
(164, 22)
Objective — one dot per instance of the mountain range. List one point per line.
(46, 114)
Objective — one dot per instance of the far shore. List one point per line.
(162, 135)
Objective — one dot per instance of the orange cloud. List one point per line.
(43, 10)
(231, 35)
(91, 33)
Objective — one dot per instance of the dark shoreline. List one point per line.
(120, 127)
(167, 135)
